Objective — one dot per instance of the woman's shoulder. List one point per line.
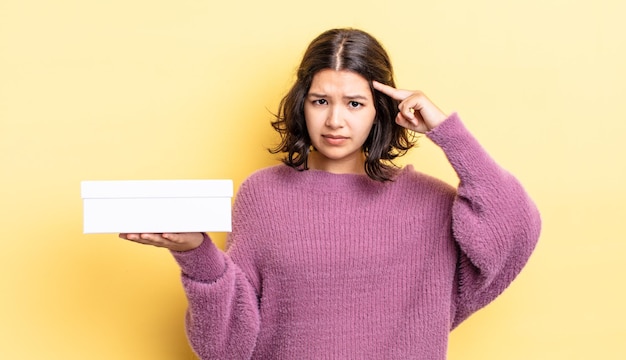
(269, 174)
(263, 178)
(409, 176)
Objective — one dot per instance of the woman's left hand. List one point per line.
(416, 111)
(172, 241)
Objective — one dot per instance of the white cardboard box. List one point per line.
(156, 206)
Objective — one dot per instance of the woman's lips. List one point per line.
(335, 139)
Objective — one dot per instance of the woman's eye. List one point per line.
(354, 104)
(320, 102)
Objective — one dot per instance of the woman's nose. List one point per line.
(335, 118)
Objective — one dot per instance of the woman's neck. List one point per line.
(316, 161)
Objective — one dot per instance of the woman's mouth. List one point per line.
(335, 139)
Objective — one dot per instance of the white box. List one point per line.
(156, 206)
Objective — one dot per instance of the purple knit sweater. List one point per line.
(338, 266)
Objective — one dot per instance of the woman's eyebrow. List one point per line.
(356, 97)
(346, 97)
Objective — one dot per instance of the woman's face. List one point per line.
(339, 111)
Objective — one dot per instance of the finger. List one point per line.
(143, 238)
(407, 111)
(173, 237)
(131, 237)
(153, 238)
(184, 238)
(405, 122)
(390, 91)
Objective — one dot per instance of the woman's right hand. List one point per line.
(417, 112)
(172, 241)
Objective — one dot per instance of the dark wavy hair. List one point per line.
(357, 51)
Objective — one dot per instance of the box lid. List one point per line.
(155, 188)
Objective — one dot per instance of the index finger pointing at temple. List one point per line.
(391, 91)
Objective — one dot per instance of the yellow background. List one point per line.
(185, 89)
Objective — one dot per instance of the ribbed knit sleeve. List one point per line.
(495, 223)
(223, 313)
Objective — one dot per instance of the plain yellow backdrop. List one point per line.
(141, 89)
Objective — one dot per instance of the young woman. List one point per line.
(339, 254)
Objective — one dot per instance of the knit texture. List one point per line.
(338, 266)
